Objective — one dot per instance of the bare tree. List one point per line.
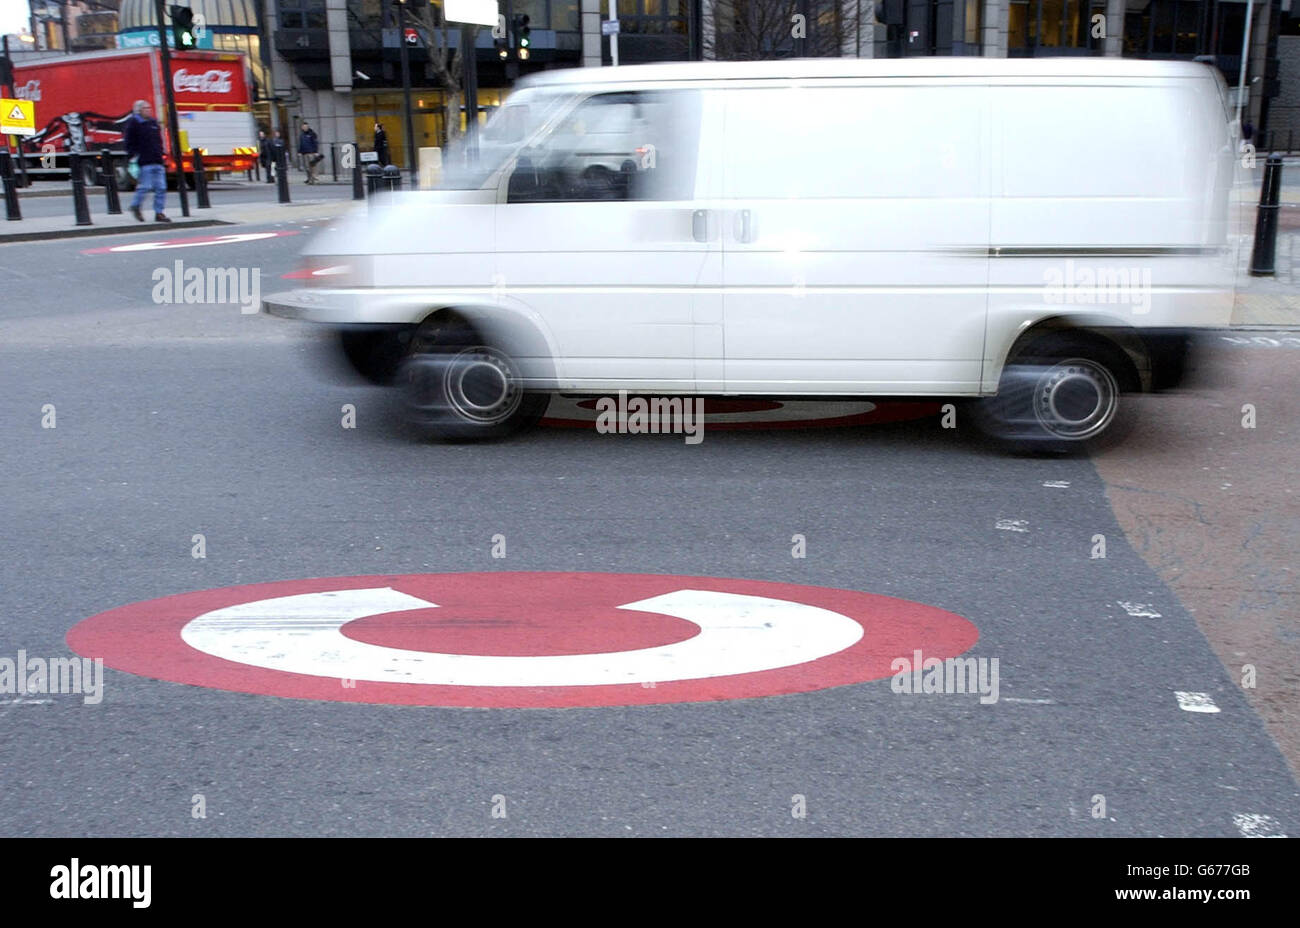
(443, 42)
(752, 30)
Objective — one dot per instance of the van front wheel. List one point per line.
(460, 389)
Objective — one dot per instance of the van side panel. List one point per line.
(1110, 201)
(855, 246)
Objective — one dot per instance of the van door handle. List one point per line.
(744, 226)
(700, 225)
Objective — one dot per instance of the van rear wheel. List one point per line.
(1062, 393)
(458, 388)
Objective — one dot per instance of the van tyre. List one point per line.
(458, 388)
(1062, 393)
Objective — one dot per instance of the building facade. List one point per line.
(337, 63)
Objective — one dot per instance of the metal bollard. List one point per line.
(282, 175)
(1265, 250)
(12, 210)
(200, 179)
(79, 205)
(111, 198)
(334, 161)
(358, 191)
(392, 178)
(374, 175)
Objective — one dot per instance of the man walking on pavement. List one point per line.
(307, 147)
(144, 143)
(274, 150)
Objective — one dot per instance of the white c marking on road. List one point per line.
(738, 634)
(233, 238)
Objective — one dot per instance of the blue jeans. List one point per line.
(152, 177)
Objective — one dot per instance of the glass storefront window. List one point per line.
(1018, 24)
(973, 10)
(1053, 12)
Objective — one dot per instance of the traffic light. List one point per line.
(182, 27)
(523, 35)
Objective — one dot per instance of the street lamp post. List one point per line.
(173, 127)
(406, 90)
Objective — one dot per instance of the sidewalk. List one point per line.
(40, 228)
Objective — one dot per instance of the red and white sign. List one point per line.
(213, 80)
(724, 414)
(520, 640)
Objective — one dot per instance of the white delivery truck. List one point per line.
(1039, 235)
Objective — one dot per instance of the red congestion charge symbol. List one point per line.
(520, 640)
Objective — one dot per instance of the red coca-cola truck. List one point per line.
(82, 103)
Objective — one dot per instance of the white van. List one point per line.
(1039, 234)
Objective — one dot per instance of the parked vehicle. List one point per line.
(1040, 235)
(82, 103)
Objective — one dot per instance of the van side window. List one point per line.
(639, 145)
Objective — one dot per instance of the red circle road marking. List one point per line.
(726, 414)
(514, 615)
(231, 238)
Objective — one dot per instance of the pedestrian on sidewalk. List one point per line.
(381, 144)
(308, 147)
(274, 150)
(264, 153)
(143, 139)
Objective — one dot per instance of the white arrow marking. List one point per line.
(738, 634)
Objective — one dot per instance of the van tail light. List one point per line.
(335, 271)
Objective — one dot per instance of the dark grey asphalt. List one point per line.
(176, 420)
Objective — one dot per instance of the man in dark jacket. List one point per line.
(143, 139)
(308, 147)
(274, 150)
(381, 144)
(264, 153)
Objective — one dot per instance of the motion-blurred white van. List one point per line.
(1039, 234)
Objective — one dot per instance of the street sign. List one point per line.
(609, 27)
(520, 640)
(149, 37)
(17, 117)
(370, 157)
(473, 12)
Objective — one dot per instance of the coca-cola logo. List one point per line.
(29, 91)
(213, 81)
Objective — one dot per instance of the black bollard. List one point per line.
(358, 191)
(334, 161)
(374, 175)
(12, 210)
(282, 175)
(79, 204)
(392, 178)
(200, 179)
(111, 198)
(1265, 250)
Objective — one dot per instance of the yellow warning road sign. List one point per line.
(17, 117)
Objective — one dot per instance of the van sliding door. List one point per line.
(855, 244)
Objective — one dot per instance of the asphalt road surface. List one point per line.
(176, 420)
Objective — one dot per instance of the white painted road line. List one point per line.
(1195, 702)
(1254, 825)
(1140, 610)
